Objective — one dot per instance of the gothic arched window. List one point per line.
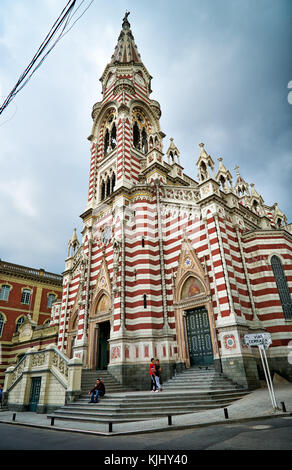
(282, 286)
(110, 133)
(140, 131)
(107, 184)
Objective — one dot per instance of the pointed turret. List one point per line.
(223, 176)
(203, 163)
(173, 154)
(73, 244)
(241, 186)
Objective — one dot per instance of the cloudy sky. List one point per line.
(220, 71)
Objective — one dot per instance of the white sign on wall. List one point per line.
(258, 339)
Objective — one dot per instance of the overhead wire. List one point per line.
(64, 19)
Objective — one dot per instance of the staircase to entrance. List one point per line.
(196, 389)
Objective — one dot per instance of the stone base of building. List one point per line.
(41, 409)
(277, 365)
(137, 376)
(242, 371)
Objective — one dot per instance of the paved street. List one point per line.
(266, 434)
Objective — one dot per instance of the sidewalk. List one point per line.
(253, 406)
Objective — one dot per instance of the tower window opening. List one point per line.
(136, 136)
(102, 191)
(113, 181)
(106, 142)
(108, 186)
(222, 181)
(145, 300)
(255, 206)
(144, 141)
(113, 137)
(203, 171)
(143, 242)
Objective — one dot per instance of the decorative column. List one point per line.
(162, 265)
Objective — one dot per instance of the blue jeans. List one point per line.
(96, 393)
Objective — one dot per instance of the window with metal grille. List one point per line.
(25, 297)
(4, 293)
(282, 286)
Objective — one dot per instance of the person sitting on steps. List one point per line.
(97, 391)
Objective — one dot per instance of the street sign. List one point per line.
(263, 341)
(258, 339)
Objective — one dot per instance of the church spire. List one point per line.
(126, 50)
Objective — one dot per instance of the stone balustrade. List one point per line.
(60, 380)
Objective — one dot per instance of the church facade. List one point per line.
(169, 266)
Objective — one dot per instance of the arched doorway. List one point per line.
(99, 331)
(196, 333)
(197, 323)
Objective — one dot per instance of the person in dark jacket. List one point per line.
(97, 391)
(1, 396)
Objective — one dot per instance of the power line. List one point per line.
(64, 19)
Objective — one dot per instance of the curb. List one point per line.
(144, 431)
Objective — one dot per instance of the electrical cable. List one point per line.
(65, 17)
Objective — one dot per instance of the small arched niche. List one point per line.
(103, 304)
(192, 286)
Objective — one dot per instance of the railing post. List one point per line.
(283, 406)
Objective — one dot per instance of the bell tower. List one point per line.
(125, 123)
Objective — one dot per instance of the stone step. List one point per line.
(166, 395)
(191, 391)
(133, 415)
(132, 407)
(141, 414)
